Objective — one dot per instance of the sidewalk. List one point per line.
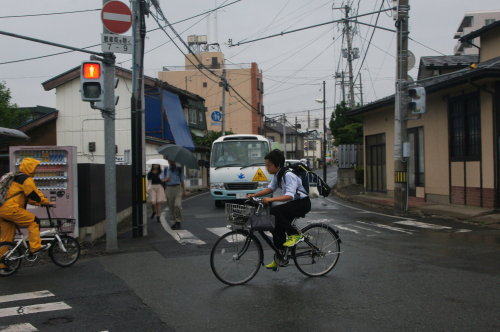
(417, 206)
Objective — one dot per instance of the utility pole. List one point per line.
(284, 134)
(223, 106)
(296, 139)
(349, 57)
(324, 131)
(139, 226)
(401, 109)
(361, 88)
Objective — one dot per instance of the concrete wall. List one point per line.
(240, 117)
(490, 45)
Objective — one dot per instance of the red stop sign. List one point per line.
(116, 16)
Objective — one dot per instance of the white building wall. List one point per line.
(78, 124)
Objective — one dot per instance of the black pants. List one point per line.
(284, 214)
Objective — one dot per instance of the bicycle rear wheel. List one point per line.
(13, 262)
(319, 252)
(236, 257)
(62, 258)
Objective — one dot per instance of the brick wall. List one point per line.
(473, 196)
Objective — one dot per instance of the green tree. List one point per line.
(10, 115)
(345, 130)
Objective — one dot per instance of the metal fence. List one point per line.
(350, 155)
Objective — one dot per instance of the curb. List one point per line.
(417, 212)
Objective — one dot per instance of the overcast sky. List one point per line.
(293, 65)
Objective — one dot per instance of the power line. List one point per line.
(369, 43)
(301, 29)
(47, 14)
(160, 12)
(95, 45)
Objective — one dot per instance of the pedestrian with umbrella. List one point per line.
(173, 177)
(156, 193)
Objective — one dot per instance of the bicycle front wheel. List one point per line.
(236, 257)
(11, 260)
(65, 253)
(319, 252)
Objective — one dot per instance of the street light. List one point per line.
(323, 101)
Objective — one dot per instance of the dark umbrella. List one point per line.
(179, 155)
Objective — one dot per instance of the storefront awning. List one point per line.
(178, 124)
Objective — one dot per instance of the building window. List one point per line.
(270, 138)
(465, 128)
(205, 84)
(488, 21)
(193, 116)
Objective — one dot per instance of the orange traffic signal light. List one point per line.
(92, 81)
(91, 70)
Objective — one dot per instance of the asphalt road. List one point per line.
(394, 274)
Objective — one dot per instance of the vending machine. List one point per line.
(55, 176)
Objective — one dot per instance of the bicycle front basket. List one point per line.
(66, 225)
(238, 214)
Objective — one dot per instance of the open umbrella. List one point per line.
(179, 155)
(8, 132)
(161, 162)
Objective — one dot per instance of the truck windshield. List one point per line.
(239, 153)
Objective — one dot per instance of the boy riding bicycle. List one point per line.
(21, 192)
(297, 198)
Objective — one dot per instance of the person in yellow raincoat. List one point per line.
(22, 191)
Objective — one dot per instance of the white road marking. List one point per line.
(463, 230)
(25, 296)
(392, 228)
(420, 224)
(347, 229)
(23, 327)
(33, 309)
(182, 236)
(366, 229)
(219, 231)
(367, 211)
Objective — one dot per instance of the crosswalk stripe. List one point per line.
(219, 231)
(392, 228)
(23, 327)
(33, 309)
(366, 229)
(25, 296)
(347, 229)
(419, 224)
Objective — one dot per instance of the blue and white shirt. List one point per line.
(175, 174)
(293, 186)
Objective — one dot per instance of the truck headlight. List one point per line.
(217, 185)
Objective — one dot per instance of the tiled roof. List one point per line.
(490, 68)
(449, 60)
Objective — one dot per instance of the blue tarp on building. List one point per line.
(165, 119)
(178, 124)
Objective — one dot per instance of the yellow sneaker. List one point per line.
(272, 266)
(292, 240)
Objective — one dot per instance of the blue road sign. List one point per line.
(216, 116)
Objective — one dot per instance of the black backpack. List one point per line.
(308, 178)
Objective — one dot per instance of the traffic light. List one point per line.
(417, 100)
(92, 81)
